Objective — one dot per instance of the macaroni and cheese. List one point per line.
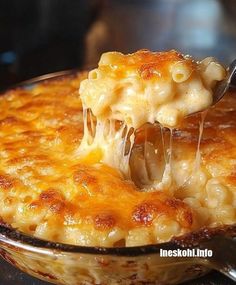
(55, 183)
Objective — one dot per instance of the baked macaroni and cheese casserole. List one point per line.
(114, 157)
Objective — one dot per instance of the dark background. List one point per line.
(42, 36)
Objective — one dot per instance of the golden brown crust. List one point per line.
(43, 181)
(6, 182)
(147, 64)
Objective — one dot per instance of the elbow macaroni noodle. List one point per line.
(149, 86)
(144, 87)
(55, 190)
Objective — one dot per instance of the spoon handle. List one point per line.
(232, 72)
(224, 255)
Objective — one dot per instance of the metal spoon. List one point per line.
(223, 85)
(221, 241)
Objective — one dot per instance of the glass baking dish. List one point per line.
(72, 265)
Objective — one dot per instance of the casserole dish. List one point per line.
(72, 265)
(65, 264)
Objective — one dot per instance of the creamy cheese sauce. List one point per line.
(48, 191)
(126, 92)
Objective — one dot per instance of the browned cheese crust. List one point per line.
(47, 191)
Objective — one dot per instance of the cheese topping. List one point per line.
(149, 86)
(139, 88)
(49, 191)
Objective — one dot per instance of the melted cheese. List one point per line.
(139, 88)
(149, 86)
(48, 190)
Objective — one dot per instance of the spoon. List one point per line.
(223, 85)
(221, 241)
